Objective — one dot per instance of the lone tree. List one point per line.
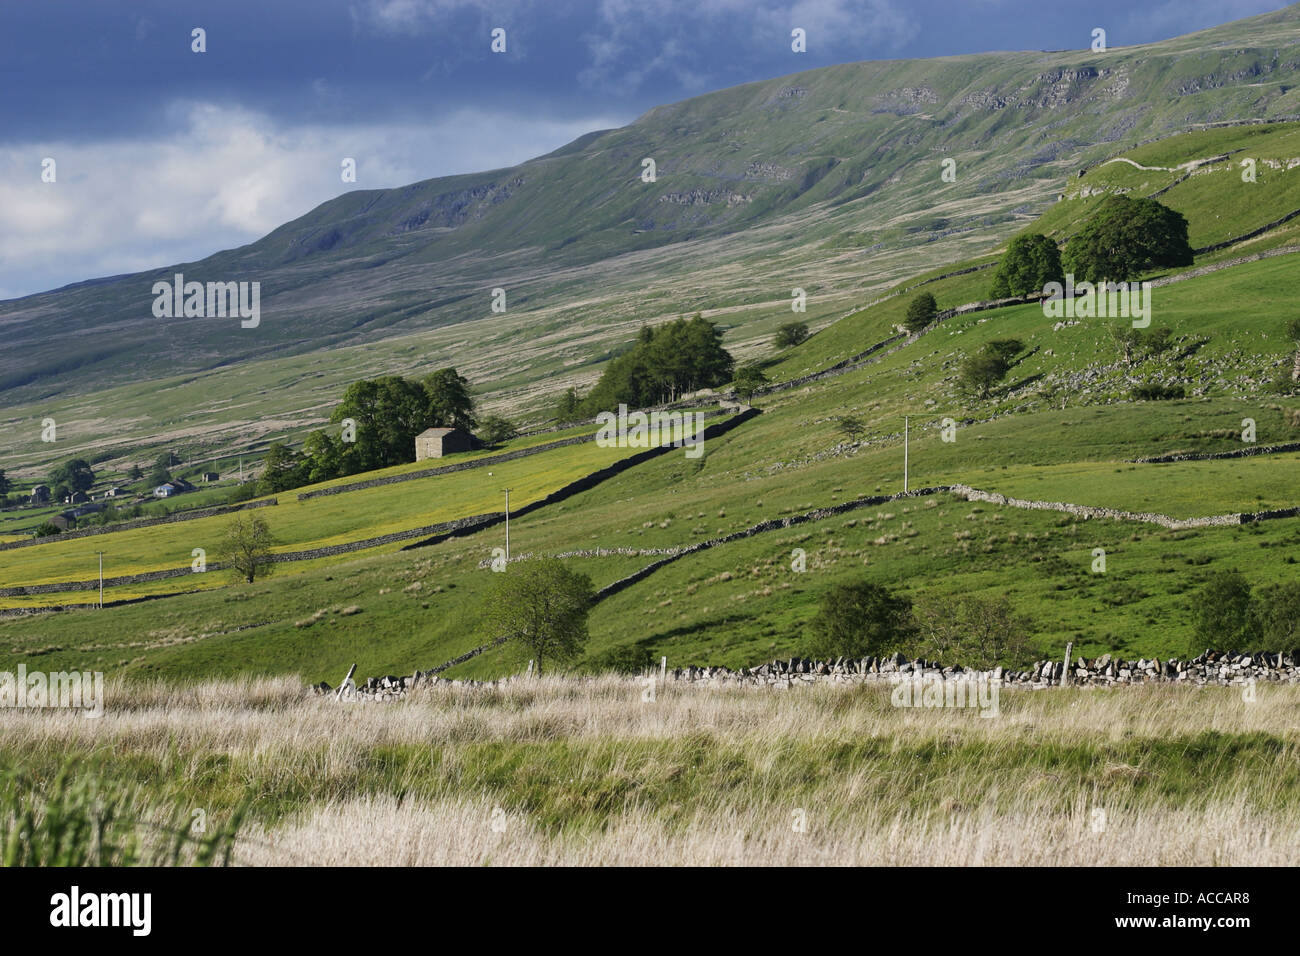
(791, 334)
(981, 371)
(920, 312)
(1223, 612)
(246, 547)
(851, 427)
(972, 631)
(1275, 617)
(541, 607)
(1126, 237)
(860, 620)
(749, 379)
(1029, 263)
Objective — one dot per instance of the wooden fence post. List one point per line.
(346, 681)
(1065, 674)
(663, 669)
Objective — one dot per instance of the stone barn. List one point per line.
(436, 442)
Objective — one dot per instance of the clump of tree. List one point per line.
(246, 547)
(1126, 237)
(980, 372)
(541, 608)
(73, 475)
(282, 469)
(860, 619)
(790, 335)
(569, 406)
(390, 411)
(749, 379)
(47, 529)
(495, 430)
(161, 473)
(1028, 265)
(387, 413)
(920, 312)
(665, 362)
(6, 485)
(1233, 615)
(863, 619)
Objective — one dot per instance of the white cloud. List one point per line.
(225, 178)
(395, 17)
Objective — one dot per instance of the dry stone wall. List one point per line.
(1220, 668)
(460, 525)
(142, 523)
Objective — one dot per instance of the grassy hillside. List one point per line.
(826, 180)
(1063, 427)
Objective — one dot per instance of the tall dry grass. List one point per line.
(556, 771)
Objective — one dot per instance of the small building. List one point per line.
(78, 498)
(114, 492)
(436, 442)
(41, 495)
(211, 476)
(64, 522)
(166, 490)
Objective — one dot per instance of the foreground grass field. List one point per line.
(564, 772)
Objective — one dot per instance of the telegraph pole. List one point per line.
(904, 453)
(507, 491)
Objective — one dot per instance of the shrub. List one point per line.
(981, 371)
(791, 334)
(495, 430)
(1223, 613)
(1155, 392)
(860, 620)
(749, 379)
(79, 822)
(971, 631)
(920, 312)
(1275, 617)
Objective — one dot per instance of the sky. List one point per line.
(162, 154)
